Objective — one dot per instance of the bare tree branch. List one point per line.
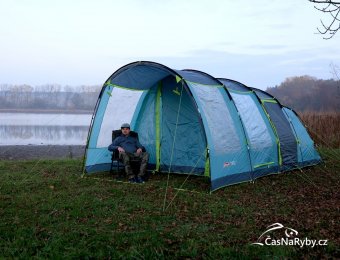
(332, 8)
(335, 71)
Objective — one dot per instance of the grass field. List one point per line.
(48, 211)
(323, 127)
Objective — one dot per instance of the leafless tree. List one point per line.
(332, 9)
(335, 71)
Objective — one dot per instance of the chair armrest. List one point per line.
(111, 147)
(115, 155)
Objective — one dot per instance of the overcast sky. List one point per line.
(259, 43)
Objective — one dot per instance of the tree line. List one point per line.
(53, 97)
(308, 94)
(303, 94)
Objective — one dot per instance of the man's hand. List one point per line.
(139, 150)
(121, 150)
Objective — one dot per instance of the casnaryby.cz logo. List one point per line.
(279, 235)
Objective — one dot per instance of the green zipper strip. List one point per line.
(239, 91)
(108, 83)
(207, 164)
(263, 164)
(269, 101)
(158, 125)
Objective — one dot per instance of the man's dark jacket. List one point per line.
(128, 143)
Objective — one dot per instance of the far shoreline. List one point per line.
(45, 111)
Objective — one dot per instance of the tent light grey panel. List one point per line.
(256, 128)
(223, 132)
(117, 112)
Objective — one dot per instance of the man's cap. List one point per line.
(125, 125)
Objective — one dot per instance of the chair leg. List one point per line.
(111, 166)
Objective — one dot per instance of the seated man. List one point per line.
(130, 148)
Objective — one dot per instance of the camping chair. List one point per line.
(115, 160)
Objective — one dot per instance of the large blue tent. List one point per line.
(193, 123)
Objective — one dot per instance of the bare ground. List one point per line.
(27, 152)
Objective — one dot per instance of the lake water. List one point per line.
(44, 129)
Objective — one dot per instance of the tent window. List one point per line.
(120, 109)
(221, 126)
(254, 124)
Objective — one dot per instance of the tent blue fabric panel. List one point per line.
(234, 85)
(144, 123)
(197, 77)
(229, 179)
(192, 170)
(229, 162)
(135, 119)
(261, 94)
(182, 135)
(97, 156)
(260, 135)
(140, 76)
(299, 150)
(98, 168)
(309, 153)
(286, 136)
(266, 171)
(244, 164)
